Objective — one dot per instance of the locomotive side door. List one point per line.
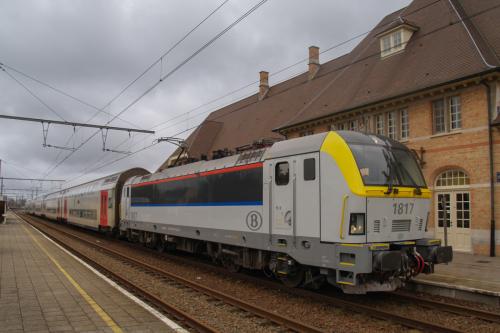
(307, 196)
(282, 174)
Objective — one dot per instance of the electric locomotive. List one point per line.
(343, 207)
(346, 208)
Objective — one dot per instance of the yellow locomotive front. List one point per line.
(384, 206)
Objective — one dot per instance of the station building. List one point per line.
(427, 75)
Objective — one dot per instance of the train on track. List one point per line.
(343, 207)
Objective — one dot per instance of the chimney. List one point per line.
(313, 61)
(264, 85)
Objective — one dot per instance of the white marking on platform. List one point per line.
(170, 323)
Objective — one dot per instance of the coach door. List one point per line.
(126, 202)
(282, 201)
(58, 210)
(65, 209)
(104, 209)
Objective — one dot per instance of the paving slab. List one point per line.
(468, 276)
(44, 289)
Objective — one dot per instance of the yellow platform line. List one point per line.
(100, 311)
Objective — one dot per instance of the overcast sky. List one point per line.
(92, 49)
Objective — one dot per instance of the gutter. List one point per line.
(455, 9)
(492, 172)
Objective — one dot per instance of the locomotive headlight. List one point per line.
(357, 224)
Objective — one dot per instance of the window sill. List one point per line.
(404, 140)
(439, 135)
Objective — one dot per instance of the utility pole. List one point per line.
(1, 184)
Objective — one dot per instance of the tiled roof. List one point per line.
(440, 51)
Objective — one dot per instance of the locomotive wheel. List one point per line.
(161, 246)
(229, 264)
(293, 279)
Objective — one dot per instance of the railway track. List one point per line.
(400, 296)
(451, 308)
(187, 319)
(335, 300)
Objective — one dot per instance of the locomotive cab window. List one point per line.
(309, 169)
(282, 173)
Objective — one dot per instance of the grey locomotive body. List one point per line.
(343, 207)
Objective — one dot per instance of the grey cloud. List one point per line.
(93, 48)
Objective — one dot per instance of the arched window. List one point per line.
(452, 178)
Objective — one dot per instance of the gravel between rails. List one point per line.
(315, 313)
(222, 317)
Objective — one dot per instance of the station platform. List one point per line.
(45, 289)
(469, 277)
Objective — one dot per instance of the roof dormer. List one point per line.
(395, 37)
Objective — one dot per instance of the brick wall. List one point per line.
(465, 149)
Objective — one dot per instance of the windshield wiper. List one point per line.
(389, 176)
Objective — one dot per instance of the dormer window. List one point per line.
(394, 39)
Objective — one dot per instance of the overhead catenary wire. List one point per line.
(17, 166)
(272, 74)
(436, 30)
(32, 93)
(160, 60)
(171, 72)
(102, 109)
(62, 92)
(336, 45)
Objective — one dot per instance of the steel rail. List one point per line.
(180, 315)
(453, 308)
(438, 305)
(353, 305)
(226, 298)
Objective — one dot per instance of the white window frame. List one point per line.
(380, 124)
(392, 125)
(396, 44)
(455, 109)
(353, 125)
(404, 124)
(449, 176)
(451, 109)
(386, 44)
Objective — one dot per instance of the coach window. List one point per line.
(128, 191)
(282, 173)
(309, 169)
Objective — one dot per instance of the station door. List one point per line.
(456, 206)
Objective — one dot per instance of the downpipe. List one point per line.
(492, 175)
